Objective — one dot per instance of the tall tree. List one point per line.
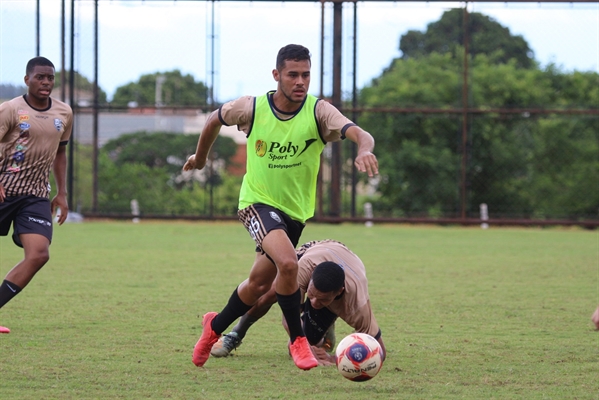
(147, 167)
(486, 36)
(520, 165)
(176, 90)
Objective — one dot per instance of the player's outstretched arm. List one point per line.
(207, 138)
(365, 161)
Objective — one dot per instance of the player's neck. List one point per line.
(283, 104)
(37, 103)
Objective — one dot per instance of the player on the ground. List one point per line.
(34, 132)
(332, 279)
(287, 130)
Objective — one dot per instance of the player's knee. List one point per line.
(288, 269)
(259, 288)
(39, 258)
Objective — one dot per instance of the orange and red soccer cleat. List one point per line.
(301, 354)
(201, 351)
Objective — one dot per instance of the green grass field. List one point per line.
(502, 313)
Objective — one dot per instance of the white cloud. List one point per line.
(140, 37)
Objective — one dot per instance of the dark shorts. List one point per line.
(316, 322)
(259, 219)
(27, 214)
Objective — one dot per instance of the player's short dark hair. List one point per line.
(293, 52)
(38, 61)
(328, 277)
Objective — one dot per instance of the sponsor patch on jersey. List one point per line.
(57, 124)
(275, 216)
(21, 112)
(18, 156)
(24, 126)
(260, 148)
(23, 118)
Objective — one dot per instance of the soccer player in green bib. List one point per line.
(287, 130)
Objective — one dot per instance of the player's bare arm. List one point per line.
(2, 193)
(207, 138)
(365, 161)
(60, 174)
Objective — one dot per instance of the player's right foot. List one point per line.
(4, 329)
(225, 345)
(201, 351)
(301, 354)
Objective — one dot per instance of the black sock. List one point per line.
(8, 290)
(290, 305)
(234, 309)
(244, 324)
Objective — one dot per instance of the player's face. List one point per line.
(294, 80)
(40, 83)
(320, 299)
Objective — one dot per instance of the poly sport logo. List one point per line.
(280, 151)
(260, 148)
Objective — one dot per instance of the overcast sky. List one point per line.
(143, 37)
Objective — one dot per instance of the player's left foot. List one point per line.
(301, 354)
(201, 351)
(225, 345)
(4, 329)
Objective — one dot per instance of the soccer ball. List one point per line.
(359, 357)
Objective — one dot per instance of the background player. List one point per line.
(34, 132)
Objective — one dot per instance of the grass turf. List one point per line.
(501, 313)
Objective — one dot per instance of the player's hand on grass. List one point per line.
(324, 359)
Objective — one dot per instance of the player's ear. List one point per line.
(275, 74)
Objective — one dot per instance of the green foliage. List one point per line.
(147, 167)
(513, 160)
(565, 184)
(177, 90)
(486, 36)
(81, 83)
